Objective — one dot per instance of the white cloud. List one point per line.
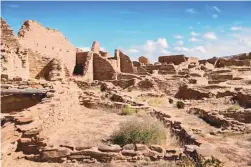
(199, 49)
(150, 49)
(215, 16)
(216, 8)
(180, 42)
(236, 28)
(178, 37)
(194, 40)
(191, 10)
(228, 45)
(210, 35)
(194, 33)
(132, 50)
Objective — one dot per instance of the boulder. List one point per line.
(144, 60)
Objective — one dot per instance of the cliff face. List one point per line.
(14, 58)
(49, 43)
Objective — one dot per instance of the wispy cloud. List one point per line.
(191, 10)
(133, 50)
(14, 6)
(194, 33)
(194, 40)
(210, 35)
(215, 16)
(180, 42)
(178, 37)
(236, 28)
(216, 8)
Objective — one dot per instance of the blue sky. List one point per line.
(152, 29)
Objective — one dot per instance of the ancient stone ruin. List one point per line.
(62, 106)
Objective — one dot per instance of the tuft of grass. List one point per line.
(157, 101)
(128, 110)
(146, 131)
(213, 162)
(180, 105)
(235, 107)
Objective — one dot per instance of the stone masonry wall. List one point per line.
(14, 57)
(126, 65)
(102, 69)
(48, 42)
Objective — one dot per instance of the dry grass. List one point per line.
(128, 110)
(152, 101)
(234, 107)
(144, 131)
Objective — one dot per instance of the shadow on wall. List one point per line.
(19, 102)
(78, 69)
(44, 73)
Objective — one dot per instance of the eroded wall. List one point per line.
(48, 43)
(14, 57)
(102, 69)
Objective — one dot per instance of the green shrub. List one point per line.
(235, 107)
(146, 131)
(180, 105)
(128, 110)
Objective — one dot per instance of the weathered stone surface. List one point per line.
(46, 43)
(176, 59)
(144, 60)
(129, 147)
(14, 57)
(111, 148)
(102, 69)
(54, 154)
(131, 153)
(126, 65)
(23, 120)
(188, 93)
(157, 148)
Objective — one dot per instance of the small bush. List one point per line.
(235, 107)
(128, 110)
(146, 131)
(170, 101)
(213, 162)
(180, 105)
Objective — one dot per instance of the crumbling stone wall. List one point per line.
(176, 59)
(84, 65)
(102, 69)
(14, 57)
(47, 42)
(126, 65)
